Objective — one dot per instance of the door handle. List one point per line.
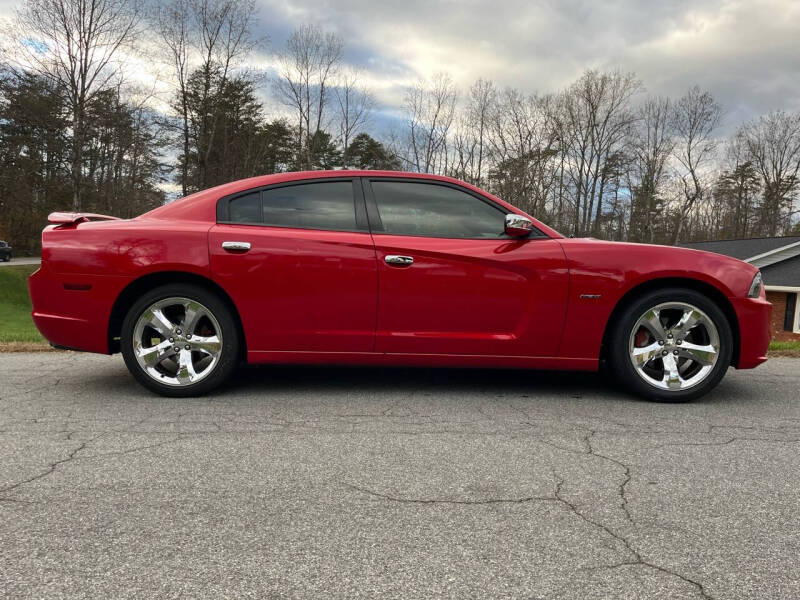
(236, 246)
(399, 261)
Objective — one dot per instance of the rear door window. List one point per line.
(324, 205)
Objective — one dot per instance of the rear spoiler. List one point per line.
(73, 218)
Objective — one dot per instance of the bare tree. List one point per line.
(209, 37)
(355, 104)
(696, 118)
(651, 147)
(773, 146)
(224, 38)
(430, 109)
(308, 65)
(597, 117)
(524, 144)
(77, 43)
(471, 140)
(173, 21)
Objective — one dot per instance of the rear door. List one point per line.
(451, 281)
(299, 263)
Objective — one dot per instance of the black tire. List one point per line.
(619, 340)
(228, 358)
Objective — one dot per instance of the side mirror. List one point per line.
(518, 226)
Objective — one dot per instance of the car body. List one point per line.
(5, 251)
(309, 283)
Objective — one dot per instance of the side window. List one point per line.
(423, 209)
(324, 205)
(246, 209)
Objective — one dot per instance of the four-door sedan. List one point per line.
(384, 268)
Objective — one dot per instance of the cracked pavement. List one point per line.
(342, 482)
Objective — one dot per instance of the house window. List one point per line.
(796, 327)
(791, 318)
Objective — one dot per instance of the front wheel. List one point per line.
(180, 340)
(671, 345)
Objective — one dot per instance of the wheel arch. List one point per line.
(714, 293)
(135, 288)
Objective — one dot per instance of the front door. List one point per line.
(450, 280)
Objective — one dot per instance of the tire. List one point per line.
(190, 362)
(693, 357)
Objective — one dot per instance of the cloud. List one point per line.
(744, 52)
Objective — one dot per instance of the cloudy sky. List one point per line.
(746, 52)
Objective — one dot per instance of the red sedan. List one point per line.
(383, 268)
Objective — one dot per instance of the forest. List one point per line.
(601, 157)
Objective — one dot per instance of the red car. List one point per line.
(384, 268)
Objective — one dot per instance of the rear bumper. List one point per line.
(753, 315)
(73, 311)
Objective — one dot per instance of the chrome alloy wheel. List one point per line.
(674, 346)
(177, 341)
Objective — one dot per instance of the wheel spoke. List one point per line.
(672, 376)
(193, 313)
(701, 354)
(652, 321)
(688, 320)
(155, 354)
(156, 319)
(186, 373)
(208, 345)
(643, 355)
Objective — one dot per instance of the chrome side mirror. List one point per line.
(518, 226)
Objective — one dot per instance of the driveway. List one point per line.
(342, 483)
(23, 260)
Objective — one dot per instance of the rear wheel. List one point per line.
(180, 340)
(671, 345)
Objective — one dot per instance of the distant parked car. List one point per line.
(5, 251)
(369, 267)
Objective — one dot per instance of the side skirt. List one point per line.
(554, 363)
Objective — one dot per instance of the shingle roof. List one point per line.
(785, 273)
(743, 249)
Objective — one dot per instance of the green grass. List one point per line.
(16, 324)
(784, 346)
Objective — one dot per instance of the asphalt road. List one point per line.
(346, 483)
(23, 260)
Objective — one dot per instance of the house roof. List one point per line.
(785, 273)
(744, 249)
(777, 257)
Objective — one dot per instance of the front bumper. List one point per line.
(753, 315)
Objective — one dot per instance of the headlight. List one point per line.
(755, 287)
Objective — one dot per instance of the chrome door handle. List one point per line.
(400, 261)
(236, 246)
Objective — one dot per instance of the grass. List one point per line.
(18, 333)
(16, 325)
(784, 349)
